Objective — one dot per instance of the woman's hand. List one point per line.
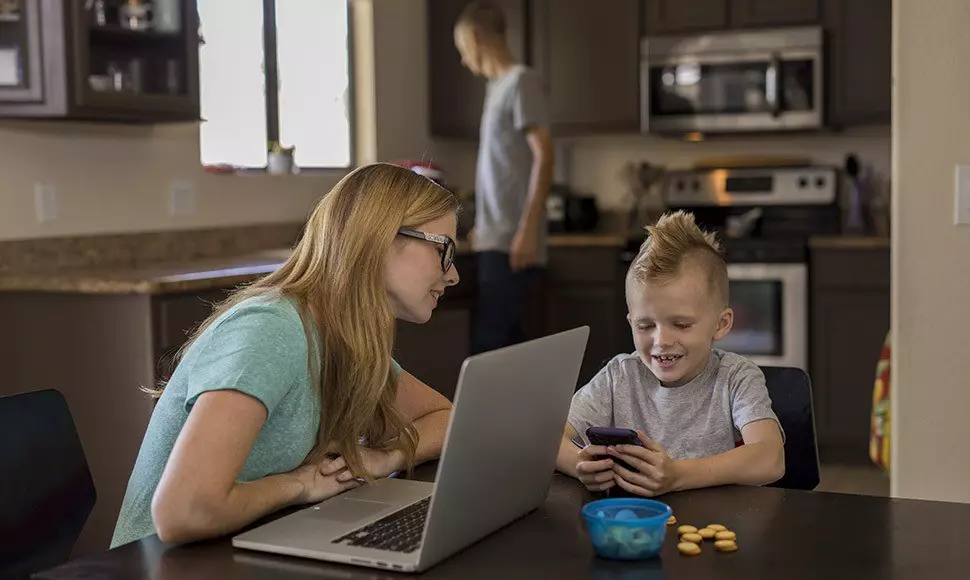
(378, 464)
(318, 485)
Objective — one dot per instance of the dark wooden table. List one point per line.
(782, 534)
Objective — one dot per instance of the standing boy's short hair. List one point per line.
(483, 16)
(674, 240)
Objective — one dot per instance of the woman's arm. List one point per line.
(198, 496)
(429, 410)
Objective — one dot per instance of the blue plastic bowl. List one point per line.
(627, 528)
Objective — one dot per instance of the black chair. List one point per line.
(790, 390)
(47, 492)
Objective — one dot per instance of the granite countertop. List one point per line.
(198, 275)
(848, 242)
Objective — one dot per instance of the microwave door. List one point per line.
(732, 93)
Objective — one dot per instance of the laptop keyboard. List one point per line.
(398, 532)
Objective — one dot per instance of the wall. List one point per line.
(115, 179)
(931, 256)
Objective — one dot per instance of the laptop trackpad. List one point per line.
(348, 511)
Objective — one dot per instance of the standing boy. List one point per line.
(513, 176)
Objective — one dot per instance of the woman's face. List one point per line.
(414, 279)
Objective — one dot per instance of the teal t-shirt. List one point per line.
(258, 347)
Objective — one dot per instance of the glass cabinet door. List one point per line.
(21, 75)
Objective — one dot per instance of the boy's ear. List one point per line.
(725, 321)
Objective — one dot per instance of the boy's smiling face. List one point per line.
(675, 323)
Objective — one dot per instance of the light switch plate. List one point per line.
(45, 202)
(181, 198)
(961, 206)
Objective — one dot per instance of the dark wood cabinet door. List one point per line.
(587, 305)
(850, 309)
(860, 63)
(455, 94)
(752, 13)
(589, 57)
(434, 351)
(675, 16)
(850, 327)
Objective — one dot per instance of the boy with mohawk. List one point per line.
(703, 415)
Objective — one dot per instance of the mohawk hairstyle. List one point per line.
(674, 239)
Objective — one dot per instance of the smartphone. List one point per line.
(614, 436)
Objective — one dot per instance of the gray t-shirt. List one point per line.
(699, 419)
(514, 102)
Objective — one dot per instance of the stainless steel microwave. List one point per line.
(765, 80)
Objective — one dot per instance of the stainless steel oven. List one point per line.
(764, 217)
(766, 80)
(770, 303)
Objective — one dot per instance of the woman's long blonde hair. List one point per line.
(336, 278)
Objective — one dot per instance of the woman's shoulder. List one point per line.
(270, 317)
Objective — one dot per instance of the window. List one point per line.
(287, 83)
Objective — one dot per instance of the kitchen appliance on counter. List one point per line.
(568, 211)
(765, 80)
(764, 218)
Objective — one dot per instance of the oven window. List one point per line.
(757, 318)
(731, 88)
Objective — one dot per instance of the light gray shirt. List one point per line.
(699, 419)
(514, 102)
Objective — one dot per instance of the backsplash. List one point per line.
(595, 164)
(138, 250)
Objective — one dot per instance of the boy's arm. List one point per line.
(761, 460)
(568, 452)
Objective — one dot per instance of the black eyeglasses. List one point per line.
(448, 245)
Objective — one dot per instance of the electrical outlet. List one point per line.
(181, 199)
(961, 205)
(45, 202)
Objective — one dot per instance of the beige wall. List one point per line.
(931, 256)
(112, 179)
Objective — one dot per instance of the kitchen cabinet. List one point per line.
(584, 286)
(588, 57)
(755, 13)
(850, 311)
(686, 16)
(99, 350)
(683, 16)
(860, 61)
(455, 94)
(73, 59)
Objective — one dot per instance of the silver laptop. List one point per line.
(496, 466)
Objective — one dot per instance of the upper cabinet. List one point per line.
(99, 60)
(685, 16)
(455, 94)
(678, 16)
(589, 59)
(860, 61)
(753, 13)
(587, 56)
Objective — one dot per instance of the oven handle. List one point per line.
(773, 85)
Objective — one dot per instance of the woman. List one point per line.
(288, 394)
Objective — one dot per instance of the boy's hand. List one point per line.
(594, 468)
(658, 472)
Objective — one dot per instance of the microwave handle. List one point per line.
(773, 85)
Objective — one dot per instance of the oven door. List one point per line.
(754, 82)
(770, 303)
